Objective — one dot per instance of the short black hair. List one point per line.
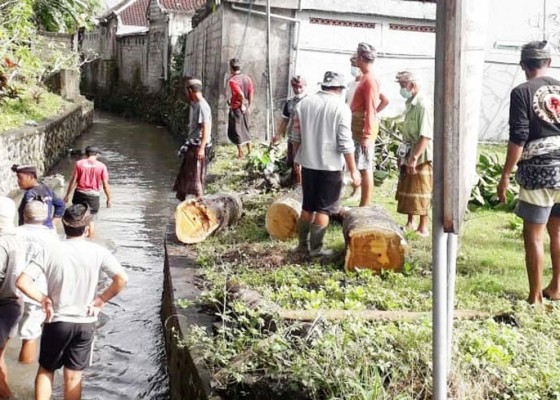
(533, 65)
(195, 87)
(75, 219)
(235, 64)
(535, 55)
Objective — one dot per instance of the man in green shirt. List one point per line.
(414, 190)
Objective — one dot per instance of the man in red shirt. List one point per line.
(88, 178)
(365, 105)
(242, 89)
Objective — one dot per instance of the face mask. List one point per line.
(355, 71)
(300, 95)
(406, 93)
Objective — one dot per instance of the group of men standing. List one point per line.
(48, 287)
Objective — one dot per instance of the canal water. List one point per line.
(129, 354)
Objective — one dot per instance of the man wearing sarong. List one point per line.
(414, 190)
(299, 86)
(366, 104)
(241, 87)
(534, 146)
(322, 146)
(192, 174)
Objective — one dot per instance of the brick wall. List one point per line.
(132, 58)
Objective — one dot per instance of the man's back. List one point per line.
(90, 175)
(73, 271)
(324, 123)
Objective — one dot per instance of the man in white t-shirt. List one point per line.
(36, 238)
(72, 270)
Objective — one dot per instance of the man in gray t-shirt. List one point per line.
(72, 270)
(192, 174)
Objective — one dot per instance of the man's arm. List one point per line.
(205, 131)
(119, 282)
(27, 286)
(107, 190)
(514, 152)
(383, 102)
(371, 94)
(354, 173)
(251, 92)
(71, 185)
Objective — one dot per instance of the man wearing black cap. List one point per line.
(88, 177)
(27, 181)
(534, 146)
(72, 270)
(322, 146)
(241, 87)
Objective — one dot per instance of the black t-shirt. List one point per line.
(533, 112)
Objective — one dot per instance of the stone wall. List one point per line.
(132, 58)
(41, 145)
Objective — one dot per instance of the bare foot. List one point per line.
(551, 294)
(423, 233)
(536, 300)
(239, 156)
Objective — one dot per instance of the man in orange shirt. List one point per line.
(365, 105)
(242, 89)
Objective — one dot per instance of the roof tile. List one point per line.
(135, 13)
(182, 5)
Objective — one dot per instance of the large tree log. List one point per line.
(282, 217)
(373, 240)
(195, 220)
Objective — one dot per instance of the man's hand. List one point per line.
(95, 307)
(411, 165)
(201, 153)
(109, 203)
(365, 145)
(66, 198)
(275, 139)
(46, 304)
(503, 188)
(356, 178)
(297, 168)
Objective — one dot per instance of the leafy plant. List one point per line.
(489, 169)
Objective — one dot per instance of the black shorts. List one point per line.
(91, 201)
(67, 344)
(321, 190)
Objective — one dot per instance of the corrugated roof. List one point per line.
(181, 5)
(135, 13)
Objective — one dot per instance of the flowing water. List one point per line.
(129, 355)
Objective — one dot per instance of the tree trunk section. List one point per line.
(282, 217)
(195, 220)
(373, 240)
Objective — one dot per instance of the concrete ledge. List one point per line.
(188, 379)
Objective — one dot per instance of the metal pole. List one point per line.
(452, 241)
(269, 108)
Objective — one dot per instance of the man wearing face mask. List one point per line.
(414, 190)
(299, 87)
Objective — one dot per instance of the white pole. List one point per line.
(452, 241)
(270, 108)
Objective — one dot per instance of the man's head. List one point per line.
(194, 89)
(333, 82)
(234, 65)
(75, 220)
(535, 56)
(299, 85)
(407, 82)
(35, 212)
(26, 175)
(7, 214)
(92, 151)
(365, 55)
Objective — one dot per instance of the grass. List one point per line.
(515, 357)
(34, 104)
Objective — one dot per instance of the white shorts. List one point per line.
(31, 322)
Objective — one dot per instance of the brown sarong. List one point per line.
(238, 127)
(191, 178)
(414, 192)
(358, 124)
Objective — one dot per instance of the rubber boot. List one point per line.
(316, 238)
(303, 237)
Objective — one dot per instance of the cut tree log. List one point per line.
(373, 240)
(195, 220)
(282, 216)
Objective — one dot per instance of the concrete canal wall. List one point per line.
(41, 145)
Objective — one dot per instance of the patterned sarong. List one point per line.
(539, 165)
(414, 192)
(191, 178)
(238, 127)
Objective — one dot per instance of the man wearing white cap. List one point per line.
(11, 264)
(36, 239)
(323, 145)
